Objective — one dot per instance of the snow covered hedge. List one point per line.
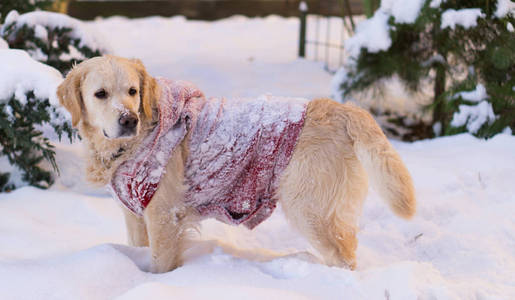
(28, 103)
(29, 110)
(462, 49)
(52, 38)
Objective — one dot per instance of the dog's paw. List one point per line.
(341, 263)
(160, 265)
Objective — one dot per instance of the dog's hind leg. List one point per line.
(325, 207)
(323, 188)
(136, 229)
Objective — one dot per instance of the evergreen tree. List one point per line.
(25, 146)
(444, 46)
(46, 37)
(54, 45)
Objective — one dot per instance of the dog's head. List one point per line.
(112, 95)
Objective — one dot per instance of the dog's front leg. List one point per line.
(136, 229)
(168, 220)
(167, 226)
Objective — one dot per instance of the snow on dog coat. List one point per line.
(237, 152)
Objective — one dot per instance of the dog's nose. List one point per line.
(128, 121)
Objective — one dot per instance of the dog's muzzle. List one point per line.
(128, 124)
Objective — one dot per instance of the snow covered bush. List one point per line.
(463, 50)
(28, 104)
(52, 38)
(22, 6)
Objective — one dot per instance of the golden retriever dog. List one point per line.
(113, 102)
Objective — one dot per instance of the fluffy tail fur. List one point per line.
(385, 168)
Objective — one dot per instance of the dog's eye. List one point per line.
(101, 94)
(132, 91)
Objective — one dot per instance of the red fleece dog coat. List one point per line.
(237, 151)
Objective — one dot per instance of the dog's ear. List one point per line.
(149, 90)
(70, 96)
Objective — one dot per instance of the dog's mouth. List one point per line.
(127, 133)
(122, 134)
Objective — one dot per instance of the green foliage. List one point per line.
(24, 145)
(21, 139)
(453, 60)
(370, 6)
(21, 6)
(55, 50)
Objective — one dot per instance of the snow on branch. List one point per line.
(22, 74)
(51, 20)
(466, 17)
(404, 11)
(474, 116)
(505, 7)
(371, 34)
(476, 95)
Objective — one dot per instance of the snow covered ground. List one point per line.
(69, 242)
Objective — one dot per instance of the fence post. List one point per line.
(303, 8)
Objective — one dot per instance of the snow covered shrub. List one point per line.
(28, 105)
(21, 6)
(52, 38)
(463, 50)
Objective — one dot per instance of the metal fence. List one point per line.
(322, 37)
(325, 24)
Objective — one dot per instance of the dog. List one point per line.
(327, 152)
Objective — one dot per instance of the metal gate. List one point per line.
(322, 36)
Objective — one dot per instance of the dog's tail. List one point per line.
(387, 172)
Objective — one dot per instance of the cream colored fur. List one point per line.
(321, 191)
